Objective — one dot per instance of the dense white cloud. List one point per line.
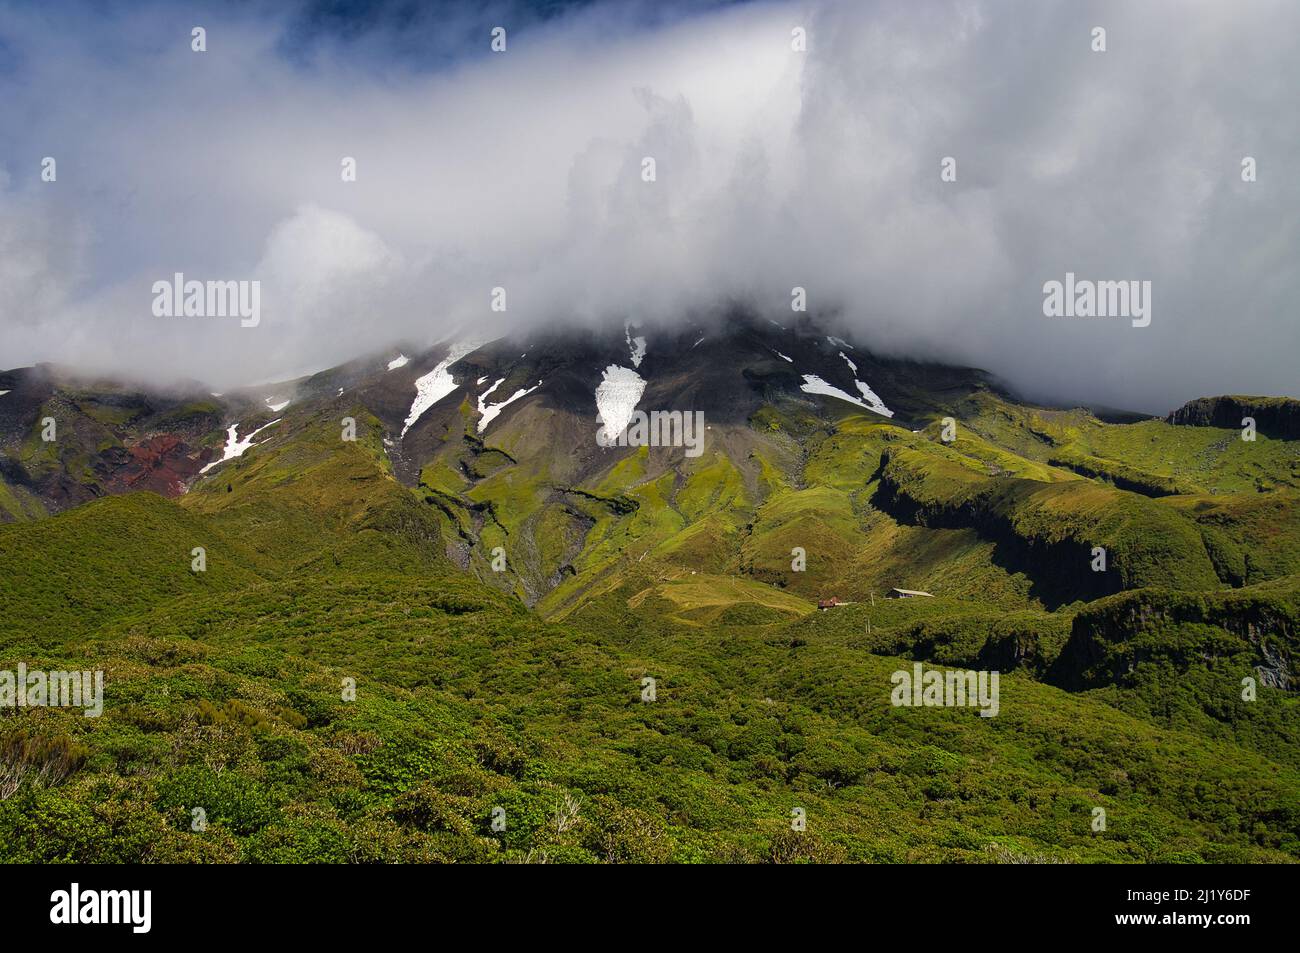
(774, 168)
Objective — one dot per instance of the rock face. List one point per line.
(1274, 416)
(1228, 631)
(108, 437)
(163, 463)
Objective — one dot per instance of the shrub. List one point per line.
(34, 758)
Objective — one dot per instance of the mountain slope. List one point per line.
(445, 533)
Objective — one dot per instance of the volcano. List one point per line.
(520, 608)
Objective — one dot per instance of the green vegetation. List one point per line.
(68, 573)
(1053, 530)
(350, 680)
(1162, 455)
(18, 503)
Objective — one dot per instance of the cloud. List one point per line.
(774, 168)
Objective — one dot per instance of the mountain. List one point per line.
(498, 583)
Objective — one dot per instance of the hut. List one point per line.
(908, 594)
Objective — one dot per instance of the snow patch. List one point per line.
(840, 342)
(873, 401)
(812, 384)
(782, 356)
(3, 392)
(438, 383)
(697, 343)
(489, 414)
(616, 397)
(236, 447)
(400, 361)
(482, 400)
(276, 407)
